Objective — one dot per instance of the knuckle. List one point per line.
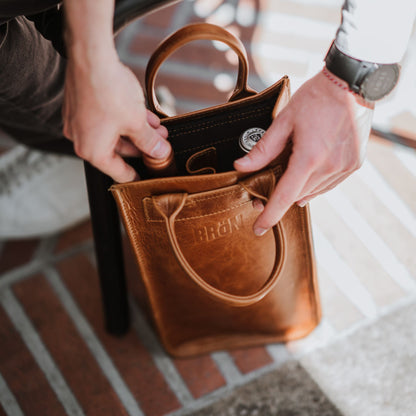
(333, 165)
(80, 150)
(66, 131)
(311, 161)
(138, 122)
(359, 162)
(285, 199)
(260, 147)
(353, 164)
(98, 159)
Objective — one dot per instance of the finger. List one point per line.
(268, 147)
(149, 141)
(126, 148)
(284, 196)
(154, 122)
(152, 119)
(321, 190)
(115, 167)
(258, 204)
(316, 182)
(162, 131)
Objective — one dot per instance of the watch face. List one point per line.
(380, 82)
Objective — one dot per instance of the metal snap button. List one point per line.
(250, 137)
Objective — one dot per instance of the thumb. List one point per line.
(268, 147)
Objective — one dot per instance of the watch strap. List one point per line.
(352, 71)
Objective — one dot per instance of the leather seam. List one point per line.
(198, 216)
(208, 152)
(176, 132)
(312, 284)
(191, 149)
(220, 194)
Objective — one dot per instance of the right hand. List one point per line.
(329, 127)
(105, 116)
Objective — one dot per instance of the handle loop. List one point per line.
(196, 31)
(169, 206)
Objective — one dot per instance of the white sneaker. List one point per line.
(40, 193)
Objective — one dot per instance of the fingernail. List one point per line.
(153, 119)
(136, 177)
(161, 150)
(260, 231)
(163, 131)
(258, 205)
(244, 161)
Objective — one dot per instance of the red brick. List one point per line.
(77, 364)
(133, 361)
(23, 376)
(200, 374)
(17, 253)
(250, 359)
(246, 34)
(200, 54)
(144, 44)
(74, 236)
(161, 18)
(184, 88)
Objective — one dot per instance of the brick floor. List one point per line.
(55, 356)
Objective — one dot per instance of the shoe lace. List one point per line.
(21, 168)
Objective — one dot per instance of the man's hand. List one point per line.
(329, 130)
(105, 116)
(104, 112)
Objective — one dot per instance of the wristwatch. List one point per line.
(370, 80)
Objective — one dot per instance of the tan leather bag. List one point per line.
(211, 283)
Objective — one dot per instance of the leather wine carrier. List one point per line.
(211, 283)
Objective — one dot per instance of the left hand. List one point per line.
(329, 129)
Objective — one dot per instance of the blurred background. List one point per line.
(55, 357)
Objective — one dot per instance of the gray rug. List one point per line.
(288, 391)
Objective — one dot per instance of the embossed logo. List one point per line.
(250, 137)
(217, 230)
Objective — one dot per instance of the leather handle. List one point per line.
(196, 31)
(170, 205)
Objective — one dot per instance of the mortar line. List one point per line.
(37, 265)
(222, 391)
(279, 353)
(371, 239)
(388, 196)
(45, 247)
(407, 157)
(160, 358)
(227, 367)
(93, 343)
(342, 275)
(364, 323)
(40, 353)
(8, 401)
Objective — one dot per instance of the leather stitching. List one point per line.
(191, 149)
(198, 216)
(219, 194)
(208, 125)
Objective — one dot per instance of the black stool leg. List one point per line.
(108, 249)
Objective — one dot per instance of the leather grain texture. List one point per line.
(211, 283)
